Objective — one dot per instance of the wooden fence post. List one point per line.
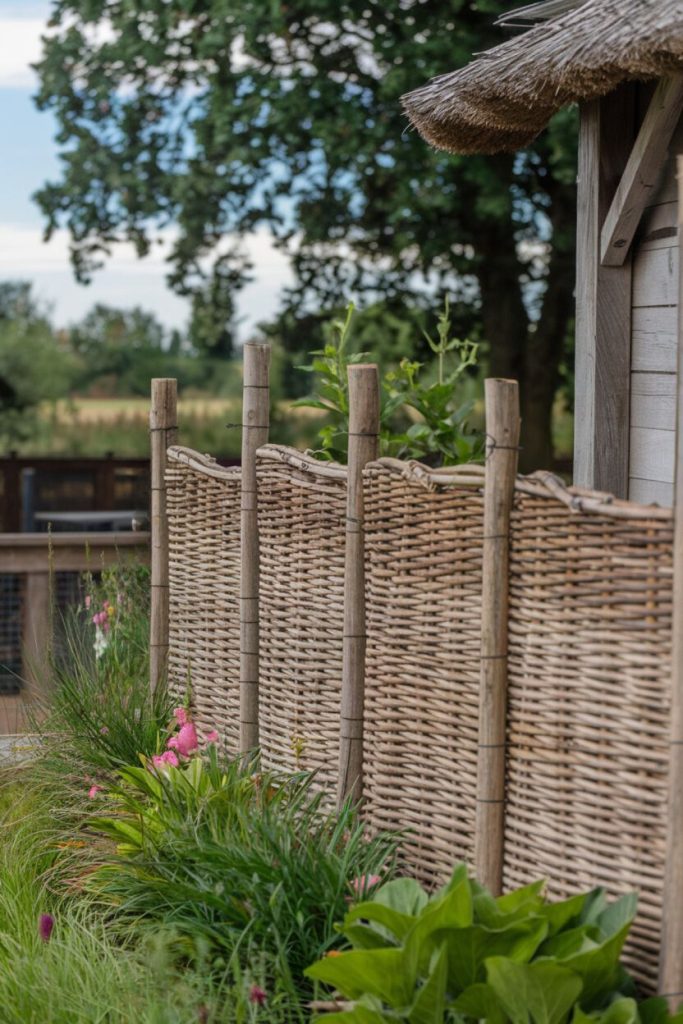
(363, 448)
(255, 424)
(502, 446)
(163, 428)
(671, 958)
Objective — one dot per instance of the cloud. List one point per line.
(20, 46)
(129, 281)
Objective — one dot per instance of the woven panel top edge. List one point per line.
(204, 464)
(583, 502)
(467, 475)
(302, 461)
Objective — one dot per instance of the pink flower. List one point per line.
(93, 791)
(180, 715)
(161, 760)
(172, 743)
(186, 740)
(257, 995)
(364, 883)
(45, 926)
(104, 730)
(211, 737)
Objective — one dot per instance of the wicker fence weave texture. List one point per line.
(301, 517)
(203, 501)
(589, 672)
(588, 706)
(423, 580)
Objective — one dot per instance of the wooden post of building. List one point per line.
(163, 426)
(502, 447)
(255, 424)
(363, 448)
(671, 963)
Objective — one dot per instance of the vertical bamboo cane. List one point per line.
(163, 428)
(255, 423)
(502, 429)
(363, 448)
(671, 962)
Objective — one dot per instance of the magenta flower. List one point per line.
(186, 742)
(364, 883)
(257, 995)
(211, 737)
(93, 791)
(45, 926)
(161, 760)
(180, 715)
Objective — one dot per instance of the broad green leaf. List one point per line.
(480, 1002)
(358, 1015)
(521, 899)
(571, 942)
(448, 914)
(468, 948)
(656, 1011)
(559, 915)
(362, 937)
(598, 968)
(385, 973)
(533, 993)
(402, 894)
(430, 1002)
(618, 914)
(396, 923)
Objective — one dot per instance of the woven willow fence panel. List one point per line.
(423, 537)
(203, 503)
(588, 705)
(301, 517)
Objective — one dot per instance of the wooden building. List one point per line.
(622, 62)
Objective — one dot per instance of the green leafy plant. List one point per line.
(101, 712)
(419, 418)
(462, 955)
(235, 861)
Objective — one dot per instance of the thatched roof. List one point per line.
(502, 100)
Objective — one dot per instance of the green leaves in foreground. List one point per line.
(462, 955)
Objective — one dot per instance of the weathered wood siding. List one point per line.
(653, 347)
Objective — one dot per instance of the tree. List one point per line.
(34, 368)
(223, 115)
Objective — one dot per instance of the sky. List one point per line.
(29, 159)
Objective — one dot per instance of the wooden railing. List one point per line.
(37, 557)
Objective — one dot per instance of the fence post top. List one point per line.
(163, 410)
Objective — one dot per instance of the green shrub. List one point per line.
(461, 955)
(420, 417)
(235, 862)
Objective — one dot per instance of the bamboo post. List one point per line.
(363, 448)
(255, 423)
(671, 957)
(163, 429)
(502, 446)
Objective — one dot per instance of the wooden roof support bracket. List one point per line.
(640, 177)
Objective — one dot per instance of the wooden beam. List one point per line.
(641, 175)
(603, 301)
(69, 552)
(671, 956)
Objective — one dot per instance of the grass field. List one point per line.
(97, 426)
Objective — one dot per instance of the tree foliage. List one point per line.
(215, 117)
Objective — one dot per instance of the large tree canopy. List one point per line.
(212, 117)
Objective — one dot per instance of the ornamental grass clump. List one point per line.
(234, 860)
(101, 713)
